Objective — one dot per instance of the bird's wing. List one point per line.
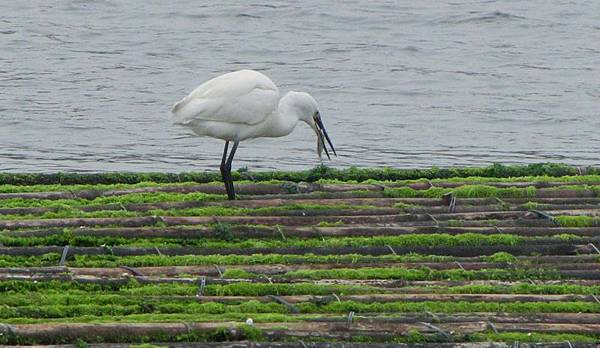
(244, 96)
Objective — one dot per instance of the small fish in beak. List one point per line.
(322, 136)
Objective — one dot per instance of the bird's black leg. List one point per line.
(223, 168)
(231, 190)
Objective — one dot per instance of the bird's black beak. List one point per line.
(322, 134)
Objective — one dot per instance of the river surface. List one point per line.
(86, 85)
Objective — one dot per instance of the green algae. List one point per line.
(577, 221)
(312, 175)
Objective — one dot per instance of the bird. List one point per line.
(246, 104)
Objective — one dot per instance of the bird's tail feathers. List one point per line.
(180, 104)
(177, 114)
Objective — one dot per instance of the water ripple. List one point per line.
(86, 86)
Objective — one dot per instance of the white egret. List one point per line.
(244, 105)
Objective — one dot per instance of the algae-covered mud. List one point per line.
(321, 258)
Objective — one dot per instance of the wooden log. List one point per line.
(549, 328)
(569, 208)
(402, 286)
(557, 318)
(29, 210)
(431, 203)
(49, 333)
(385, 298)
(393, 285)
(319, 195)
(250, 231)
(121, 276)
(166, 205)
(554, 200)
(494, 215)
(529, 221)
(557, 248)
(538, 259)
(92, 193)
(399, 220)
(554, 192)
(564, 193)
(78, 222)
(477, 215)
(582, 274)
(383, 208)
(48, 277)
(200, 220)
(146, 232)
(238, 231)
(244, 189)
(487, 215)
(192, 204)
(34, 270)
(377, 199)
(407, 219)
(327, 212)
(277, 269)
(521, 231)
(258, 202)
(38, 195)
(273, 272)
(440, 331)
(293, 344)
(541, 195)
(574, 211)
(499, 184)
(312, 186)
(274, 269)
(97, 207)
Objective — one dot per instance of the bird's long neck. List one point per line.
(285, 119)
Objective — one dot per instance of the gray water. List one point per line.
(87, 85)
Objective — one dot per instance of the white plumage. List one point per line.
(242, 105)
(244, 96)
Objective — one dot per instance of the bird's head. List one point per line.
(307, 109)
